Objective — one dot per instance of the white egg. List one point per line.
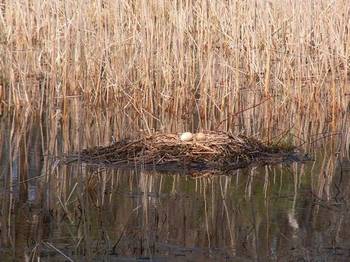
(187, 136)
(200, 136)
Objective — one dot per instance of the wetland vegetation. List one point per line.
(79, 74)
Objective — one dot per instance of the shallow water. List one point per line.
(54, 212)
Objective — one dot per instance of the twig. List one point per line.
(57, 250)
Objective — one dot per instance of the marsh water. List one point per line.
(55, 212)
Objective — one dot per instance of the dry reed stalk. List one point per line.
(197, 61)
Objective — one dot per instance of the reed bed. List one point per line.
(253, 66)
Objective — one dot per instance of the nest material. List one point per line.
(218, 149)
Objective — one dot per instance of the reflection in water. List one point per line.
(77, 212)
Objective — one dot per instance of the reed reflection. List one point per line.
(75, 211)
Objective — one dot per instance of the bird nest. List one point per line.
(214, 150)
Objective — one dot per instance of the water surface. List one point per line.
(295, 212)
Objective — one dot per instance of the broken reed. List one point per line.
(207, 61)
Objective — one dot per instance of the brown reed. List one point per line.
(108, 50)
(208, 64)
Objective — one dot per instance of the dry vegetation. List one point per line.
(257, 66)
(277, 70)
(215, 150)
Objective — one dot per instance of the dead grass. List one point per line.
(256, 66)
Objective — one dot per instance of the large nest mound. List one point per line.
(215, 149)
